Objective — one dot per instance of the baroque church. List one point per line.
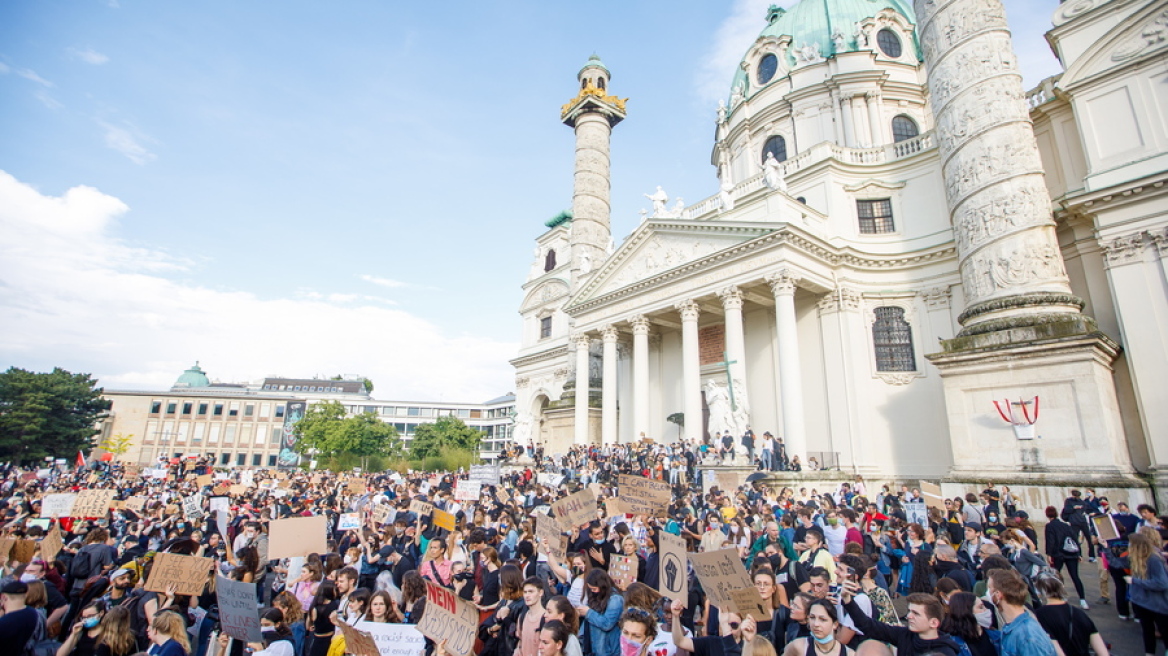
(914, 268)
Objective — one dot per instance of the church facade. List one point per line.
(913, 268)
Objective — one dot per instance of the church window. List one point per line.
(776, 145)
(584, 83)
(903, 128)
(892, 337)
(889, 43)
(600, 83)
(549, 262)
(767, 67)
(875, 216)
(545, 327)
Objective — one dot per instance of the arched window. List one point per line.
(584, 83)
(549, 262)
(889, 43)
(767, 67)
(776, 145)
(600, 83)
(903, 128)
(892, 337)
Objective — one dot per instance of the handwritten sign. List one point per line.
(395, 639)
(136, 504)
(486, 474)
(356, 486)
(193, 507)
(622, 570)
(448, 617)
(1105, 527)
(468, 491)
(576, 509)
(188, 574)
(204, 480)
(358, 642)
(749, 602)
(421, 508)
(237, 490)
(674, 581)
(614, 507)
(57, 505)
(551, 535)
(93, 503)
(6, 545)
(237, 609)
(721, 573)
(550, 480)
(349, 521)
(382, 513)
(23, 550)
(218, 503)
(297, 536)
(443, 519)
(51, 545)
(645, 496)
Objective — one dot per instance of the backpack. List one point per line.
(1070, 546)
(869, 545)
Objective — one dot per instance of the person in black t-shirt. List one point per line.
(1069, 626)
(19, 621)
(734, 628)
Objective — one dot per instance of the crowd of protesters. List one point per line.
(851, 569)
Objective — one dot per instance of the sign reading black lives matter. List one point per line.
(674, 582)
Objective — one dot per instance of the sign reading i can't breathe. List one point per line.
(645, 496)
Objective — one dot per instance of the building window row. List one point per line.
(302, 388)
(263, 411)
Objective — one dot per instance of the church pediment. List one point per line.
(660, 246)
(1133, 39)
(544, 294)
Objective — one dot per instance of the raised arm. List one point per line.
(682, 641)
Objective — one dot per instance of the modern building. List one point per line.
(913, 267)
(243, 425)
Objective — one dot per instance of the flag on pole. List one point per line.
(80, 460)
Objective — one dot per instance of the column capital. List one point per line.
(609, 334)
(731, 298)
(640, 324)
(841, 298)
(689, 310)
(582, 340)
(783, 282)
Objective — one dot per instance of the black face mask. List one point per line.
(776, 562)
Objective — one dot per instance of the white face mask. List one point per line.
(985, 618)
(28, 578)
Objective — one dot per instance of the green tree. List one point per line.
(450, 432)
(327, 430)
(679, 419)
(47, 414)
(117, 444)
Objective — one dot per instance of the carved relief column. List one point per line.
(608, 434)
(845, 112)
(783, 285)
(691, 372)
(875, 119)
(1011, 266)
(640, 377)
(583, 342)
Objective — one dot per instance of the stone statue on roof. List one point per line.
(659, 199)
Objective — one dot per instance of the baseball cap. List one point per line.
(973, 525)
(14, 586)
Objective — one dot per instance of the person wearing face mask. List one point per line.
(595, 546)
(967, 622)
(82, 640)
(823, 620)
(729, 643)
(1070, 627)
(56, 602)
(835, 534)
(638, 631)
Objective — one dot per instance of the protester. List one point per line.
(1149, 586)
(1070, 627)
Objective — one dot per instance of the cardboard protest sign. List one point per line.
(468, 491)
(551, 534)
(221, 522)
(237, 609)
(356, 486)
(645, 496)
(358, 642)
(204, 480)
(421, 508)
(1105, 527)
(187, 573)
(448, 617)
(486, 474)
(218, 503)
(749, 602)
(576, 509)
(502, 496)
(395, 639)
(93, 503)
(237, 490)
(550, 480)
(297, 536)
(51, 545)
(674, 581)
(57, 505)
(381, 514)
(24, 550)
(443, 519)
(721, 573)
(193, 507)
(622, 570)
(6, 545)
(136, 504)
(349, 521)
(596, 489)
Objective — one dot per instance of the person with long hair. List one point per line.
(1149, 586)
(601, 612)
(382, 609)
(304, 588)
(86, 631)
(822, 620)
(487, 598)
(168, 635)
(572, 573)
(116, 635)
(967, 621)
(293, 616)
(413, 598)
(319, 622)
(559, 609)
(1070, 627)
(555, 638)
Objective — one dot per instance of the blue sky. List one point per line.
(305, 188)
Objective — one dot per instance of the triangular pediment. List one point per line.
(1137, 37)
(658, 246)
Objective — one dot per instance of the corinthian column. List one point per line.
(608, 387)
(691, 373)
(1011, 266)
(640, 377)
(790, 373)
(735, 335)
(582, 384)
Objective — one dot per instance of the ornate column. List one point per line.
(640, 377)
(1011, 266)
(783, 285)
(735, 335)
(691, 373)
(608, 434)
(583, 342)
(875, 119)
(845, 110)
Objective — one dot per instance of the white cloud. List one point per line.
(47, 100)
(4, 68)
(747, 18)
(89, 56)
(73, 294)
(29, 74)
(384, 282)
(127, 141)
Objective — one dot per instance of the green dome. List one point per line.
(193, 377)
(559, 219)
(813, 21)
(594, 62)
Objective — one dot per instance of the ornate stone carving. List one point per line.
(1018, 203)
(842, 298)
(731, 298)
(657, 255)
(937, 298)
(975, 60)
(561, 373)
(1069, 10)
(991, 102)
(1014, 266)
(783, 282)
(689, 310)
(967, 18)
(1000, 155)
(897, 378)
(640, 324)
(609, 334)
(521, 381)
(1152, 35)
(1126, 248)
(582, 341)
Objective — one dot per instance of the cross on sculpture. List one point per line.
(726, 362)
